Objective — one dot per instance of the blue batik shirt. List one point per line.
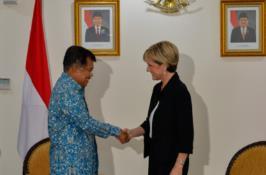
(72, 130)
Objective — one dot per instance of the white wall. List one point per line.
(228, 93)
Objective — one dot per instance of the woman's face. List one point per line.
(157, 71)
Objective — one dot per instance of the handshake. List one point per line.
(127, 134)
(124, 136)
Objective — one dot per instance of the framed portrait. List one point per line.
(97, 26)
(242, 28)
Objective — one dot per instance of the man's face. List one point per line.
(243, 22)
(97, 21)
(82, 74)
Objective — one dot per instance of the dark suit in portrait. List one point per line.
(238, 37)
(92, 36)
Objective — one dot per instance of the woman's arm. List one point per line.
(178, 167)
(136, 132)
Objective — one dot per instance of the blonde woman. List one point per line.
(168, 129)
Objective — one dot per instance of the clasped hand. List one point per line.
(124, 136)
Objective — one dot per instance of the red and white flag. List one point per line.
(36, 88)
(233, 18)
(88, 18)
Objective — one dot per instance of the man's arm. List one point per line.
(75, 108)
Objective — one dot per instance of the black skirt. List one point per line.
(156, 168)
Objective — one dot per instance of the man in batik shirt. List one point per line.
(72, 129)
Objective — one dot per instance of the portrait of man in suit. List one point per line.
(243, 32)
(97, 32)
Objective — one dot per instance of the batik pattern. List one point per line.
(72, 131)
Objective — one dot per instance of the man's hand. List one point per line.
(123, 137)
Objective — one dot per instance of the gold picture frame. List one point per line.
(243, 28)
(103, 40)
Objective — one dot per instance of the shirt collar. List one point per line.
(172, 79)
(71, 82)
(170, 83)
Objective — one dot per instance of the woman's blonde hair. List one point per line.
(163, 52)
